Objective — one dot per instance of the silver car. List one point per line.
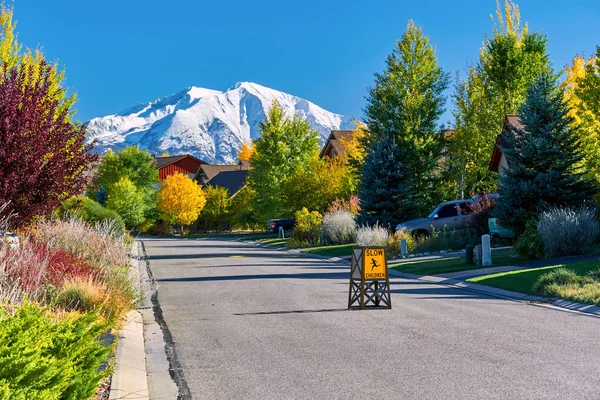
(452, 214)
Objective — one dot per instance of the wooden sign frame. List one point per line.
(367, 293)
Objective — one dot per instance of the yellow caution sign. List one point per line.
(374, 265)
(369, 282)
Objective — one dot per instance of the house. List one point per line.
(334, 145)
(498, 162)
(206, 172)
(233, 181)
(186, 164)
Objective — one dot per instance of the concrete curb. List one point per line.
(129, 380)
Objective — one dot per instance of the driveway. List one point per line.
(255, 323)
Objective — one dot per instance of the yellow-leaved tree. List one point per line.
(586, 121)
(180, 200)
(246, 152)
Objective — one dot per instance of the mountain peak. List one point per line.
(209, 124)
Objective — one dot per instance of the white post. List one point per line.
(486, 250)
(403, 247)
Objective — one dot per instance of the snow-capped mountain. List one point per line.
(208, 124)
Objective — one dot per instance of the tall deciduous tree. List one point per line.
(42, 154)
(180, 199)
(285, 145)
(582, 93)
(11, 56)
(509, 61)
(133, 163)
(405, 105)
(125, 199)
(542, 158)
(214, 214)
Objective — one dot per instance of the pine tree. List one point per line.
(542, 158)
(405, 105)
(386, 189)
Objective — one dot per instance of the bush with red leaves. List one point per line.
(37, 265)
(482, 211)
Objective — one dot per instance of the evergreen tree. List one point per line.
(284, 145)
(386, 189)
(405, 105)
(542, 158)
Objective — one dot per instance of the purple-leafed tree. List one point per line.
(43, 156)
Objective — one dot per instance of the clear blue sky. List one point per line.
(118, 53)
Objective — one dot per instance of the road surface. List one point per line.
(256, 323)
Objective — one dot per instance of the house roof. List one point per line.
(233, 181)
(511, 123)
(164, 161)
(335, 139)
(209, 171)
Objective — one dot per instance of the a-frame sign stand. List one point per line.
(369, 282)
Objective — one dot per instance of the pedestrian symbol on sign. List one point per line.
(374, 264)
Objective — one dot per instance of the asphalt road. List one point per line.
(255, 323)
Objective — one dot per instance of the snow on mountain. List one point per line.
(208, 124)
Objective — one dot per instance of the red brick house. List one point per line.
(185, 164)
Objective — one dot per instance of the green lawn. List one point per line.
(452, 264)
(522, 281)
(339, 250)
(275, 242)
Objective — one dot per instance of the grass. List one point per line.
(276, 242)
(452, 264)
(339, 250)
(522, 281)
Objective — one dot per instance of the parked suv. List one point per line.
(287, 225)
(453, 214)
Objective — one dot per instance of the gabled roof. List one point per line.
(335, 141)
(209, 171)
(164, 161)
(233, 181)
(511, 122)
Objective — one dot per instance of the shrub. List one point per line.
(87, 294)
(482, 210)
(34, 265)
(308, 226)
(97, 246)
(559, 276)
(339, 226)
(375, 235)
(351, 205)
(566, 284)
(394, 245)
(567, 232)
(595, 275)
(46, 357)
(447, 239)
(90, 211)
(529, 245)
